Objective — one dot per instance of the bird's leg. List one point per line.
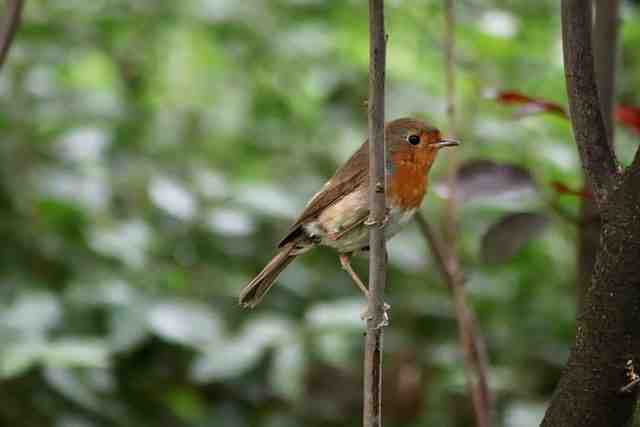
(345, 261)
(346, 265)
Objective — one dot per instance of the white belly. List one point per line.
(357, 238)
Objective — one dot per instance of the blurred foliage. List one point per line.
(154, 151)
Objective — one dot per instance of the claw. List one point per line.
(385, 220)
(370, 222)
(366, 317)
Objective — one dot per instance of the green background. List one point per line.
(153, 153)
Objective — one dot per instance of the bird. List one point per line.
(336, 215)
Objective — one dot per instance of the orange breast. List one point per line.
(407, 181)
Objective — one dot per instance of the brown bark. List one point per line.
(607, 328)
(588, 244)
(636, 161)
(10, 27)
(596, 154)
(605, 40)
(372, 408)
(607, 335)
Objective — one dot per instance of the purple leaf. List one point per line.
(504, 238)
(481, 179)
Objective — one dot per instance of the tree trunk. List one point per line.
(607, 330)
(588, 245)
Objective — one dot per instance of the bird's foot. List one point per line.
(370, 222)
(385, 220)
(366, 316)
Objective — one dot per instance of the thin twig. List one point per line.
(452, 155)
(439, 250)
(376, 318)
(473, 347)
(597, 155)
(10, 27)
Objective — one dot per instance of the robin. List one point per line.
(335, 216)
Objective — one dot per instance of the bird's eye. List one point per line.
(414, 139)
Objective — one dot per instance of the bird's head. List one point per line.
(412, 135)
(414, 142)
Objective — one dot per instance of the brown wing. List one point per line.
(350, 176)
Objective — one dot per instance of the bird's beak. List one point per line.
(447, 142)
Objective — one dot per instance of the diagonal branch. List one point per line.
(597, 155)
(605, 43)
(10, 27)
(636, 161)
(372, 408)
(632, 173)
(473, 347)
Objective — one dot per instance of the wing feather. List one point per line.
(353, 174)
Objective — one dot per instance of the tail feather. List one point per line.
(256, 289)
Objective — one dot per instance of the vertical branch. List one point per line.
(10, 27)
(452, 155)
(604, 41)
(473, 348)
(372, 408)
(597, 156)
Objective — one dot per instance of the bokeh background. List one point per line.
(154, 151)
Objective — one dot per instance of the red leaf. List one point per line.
(629, 116)
(626, 115)
(561, 188)
(532, 105)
